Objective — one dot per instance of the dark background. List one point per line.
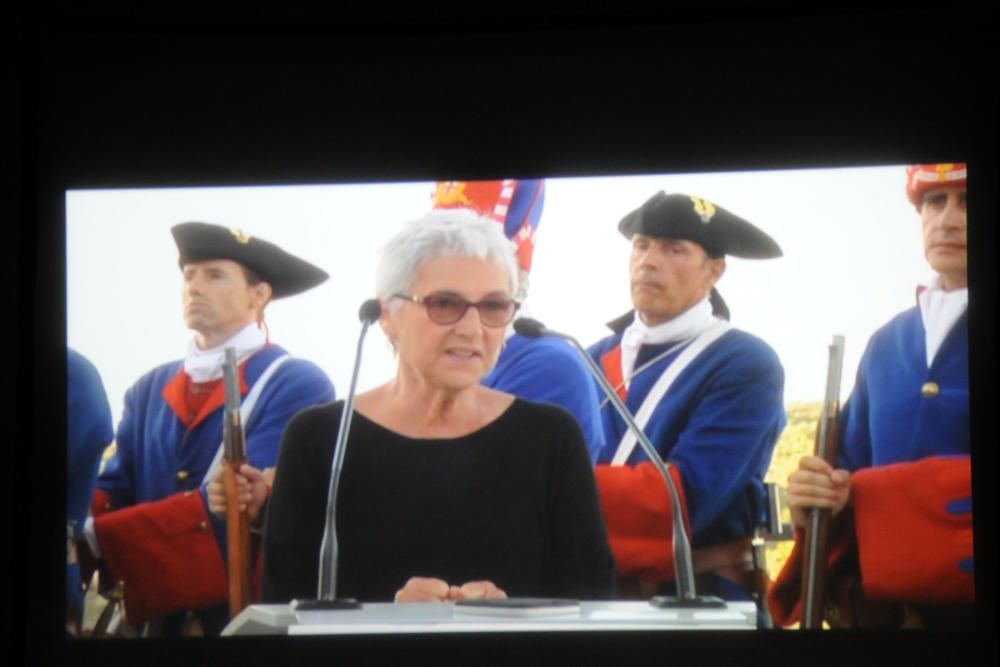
(158, 94)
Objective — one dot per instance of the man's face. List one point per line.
(669, 276)
(943, 213)
(218, 301)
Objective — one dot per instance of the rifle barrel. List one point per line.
(237, 523)
(817, 531)
(232, 441)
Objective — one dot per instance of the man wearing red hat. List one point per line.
(544, 369)
(150, 526)
(901, 495)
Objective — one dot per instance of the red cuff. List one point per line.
(914, 530)
(167, 555)
(636, 506)
(100, 503)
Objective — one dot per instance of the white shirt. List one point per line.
(206, 365)
(682, 328)
(940, 309)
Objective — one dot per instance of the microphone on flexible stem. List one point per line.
(683, 565)
(327, 588)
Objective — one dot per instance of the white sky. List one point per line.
(852, 245)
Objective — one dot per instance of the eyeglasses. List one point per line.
(448, 308)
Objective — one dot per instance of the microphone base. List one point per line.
(699, 602)
(325, 605)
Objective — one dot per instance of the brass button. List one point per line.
(203, 526)
(188, 494)
(182, 475)
(930, 389)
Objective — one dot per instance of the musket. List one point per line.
(234, 452)
(818, 527)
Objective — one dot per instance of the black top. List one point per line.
(514, 503)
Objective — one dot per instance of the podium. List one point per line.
(443, 617)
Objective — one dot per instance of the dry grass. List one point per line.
(796, 441)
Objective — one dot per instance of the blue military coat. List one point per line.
(548, 370)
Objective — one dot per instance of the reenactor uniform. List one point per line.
(150, 512)
(710, 399)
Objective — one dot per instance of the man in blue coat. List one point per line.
(150, 525)
(708, 396)
(88, 433)
(901, 495)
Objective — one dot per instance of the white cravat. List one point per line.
(685, 326)
(940, 309)
(206, 365)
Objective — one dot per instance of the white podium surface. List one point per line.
(443, 617)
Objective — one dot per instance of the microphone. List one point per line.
(327, 588)
(683, 564)
(370, 311)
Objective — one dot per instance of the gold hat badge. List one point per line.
(704, 208)
(240, 236)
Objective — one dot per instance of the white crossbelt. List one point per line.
(703, 340)
(247, 408)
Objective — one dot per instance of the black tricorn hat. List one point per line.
(286, 273)
(696, 219)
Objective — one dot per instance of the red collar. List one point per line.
(611, 362)
(175, 393)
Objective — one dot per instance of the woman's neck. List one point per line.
(419, 411)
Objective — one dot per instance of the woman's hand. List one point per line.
(817, 484)
(424, 589)
(477, 590)
(253, 487)
(429, 589)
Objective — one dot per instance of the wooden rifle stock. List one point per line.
(818, 529)
(237, 524)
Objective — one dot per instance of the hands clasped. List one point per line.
(253, 488)
(429, 589)
(817, 484)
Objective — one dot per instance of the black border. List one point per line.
(170, 95)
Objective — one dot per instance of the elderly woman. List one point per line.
(449, 490)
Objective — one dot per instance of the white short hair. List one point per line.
(442, 233)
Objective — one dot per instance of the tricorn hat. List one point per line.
(696, 219)
(286, 273)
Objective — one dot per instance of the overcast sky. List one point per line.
(852, 259)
